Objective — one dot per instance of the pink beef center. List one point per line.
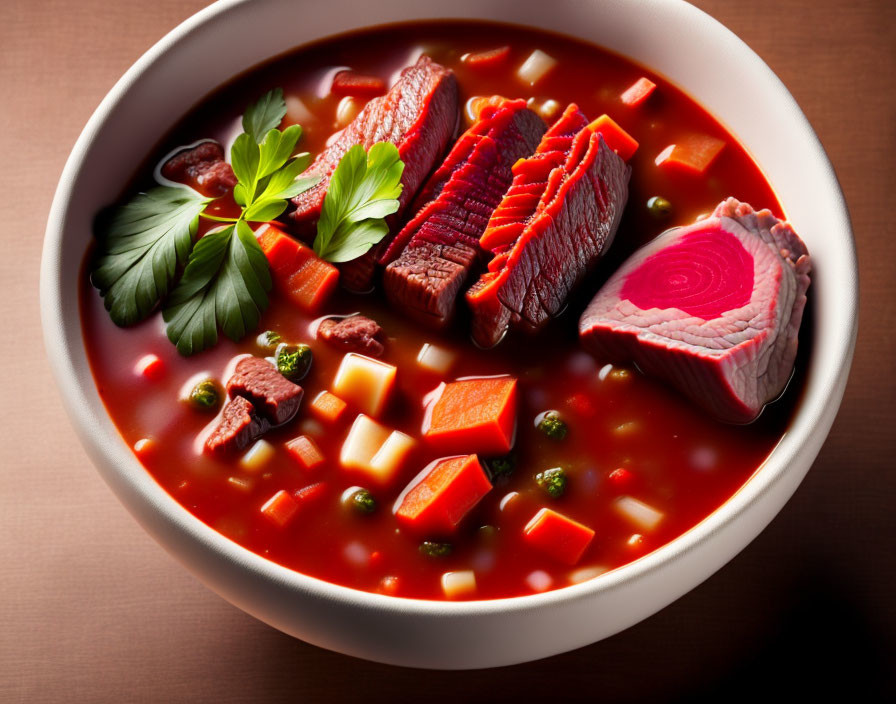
(705, 274)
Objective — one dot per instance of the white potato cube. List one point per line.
(297, 113)
(638, 513)
(435, 359)
(391, 455)
(364, 440)
(583, 574)
(456, 585)
(539, 581)
(536, 67)
(257, 456)
(364, 382)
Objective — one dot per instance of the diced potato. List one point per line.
(257, 456)
(389, 458)
(548, 109)
(435, 359)
(297, 113)
(457, 585)
(364, 382)
(585, 573)
(638, 513)
(536, 67)
(539, 581)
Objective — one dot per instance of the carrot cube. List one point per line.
(327, 407)
(692, 154)
(357, 85)
(616, 138)
(638, 92)
(558, 536)
(442, 495)
(310, 492)
(487, 59)
(297, 271)
(473, 415)
(280, 508)
(306, 452)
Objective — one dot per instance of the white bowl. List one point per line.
(690, 49)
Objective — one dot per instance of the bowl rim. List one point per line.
(82, 401)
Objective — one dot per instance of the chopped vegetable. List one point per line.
(150, 367)
(659, 207)
(257, 456)
(347, 110)
(616, 138)
(473, 415)
(242, 484)
(547, 110)
(364, 382)
(536, 67)
(374, 451)
(280, 508)
(692, 154)
(638, 92)
(361, 501)
(294, 361)
(327, 407)
(457, 585)
(501, 467)
(268, 340)
(539, 581)
(206, 395)
(363, 190)
(639, 514)
(391, 455)
(310, 492)
(304, 278)
(446, 491)
(306, 452)
(435, 359)
(552, 425)
(357, 85)
(431, 548)
(487, 59)
(552, 482)
(558, 536)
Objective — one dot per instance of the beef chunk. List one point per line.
(275, 396)
(203, 168)
(239, 427)
(713, 308)
(355, 334)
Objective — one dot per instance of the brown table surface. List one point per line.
(91, 609)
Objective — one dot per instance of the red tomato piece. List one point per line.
(357, 85)
(150, 367)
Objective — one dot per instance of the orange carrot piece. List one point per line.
(327, 407)
(616, 138)
(297, 271)
(692, 154)
(487, 59)
(558, 536)
(638, 92)
(438, 501)
(280, 508)
(310, 492)
(473, 415)
(357, 85)
(306, 452)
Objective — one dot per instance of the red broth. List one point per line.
(676, 459)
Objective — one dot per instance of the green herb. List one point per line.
(553, 481)
(553, 426)
(294, 361)
(363, 190)
(264, 115)
(501, 466)
(433, 549)
(141, 246)
(362, 501)
(206, 395)
(268, 340)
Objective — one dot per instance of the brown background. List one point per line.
(92, 610)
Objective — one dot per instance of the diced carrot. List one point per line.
(297, 271)
(473, 415)
(306, 452)
(449, 488)
(150, 367)
(357, 85)
(310, 492)
(558, 536)
(327, 407)
(616, 138)
(280, 508)
(638, 92)
(691, 154)
(487, 59)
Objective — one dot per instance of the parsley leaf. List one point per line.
(225, 283)
(363, 190)
(141, 246)
(265, 114)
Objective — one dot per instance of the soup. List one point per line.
(421, 464)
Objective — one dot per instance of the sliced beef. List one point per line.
(437, 251)
(356, 333)
(713, 308)
(275, 396)
(559, 216)
(419, 115)
(239, 427)
(203, 168)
